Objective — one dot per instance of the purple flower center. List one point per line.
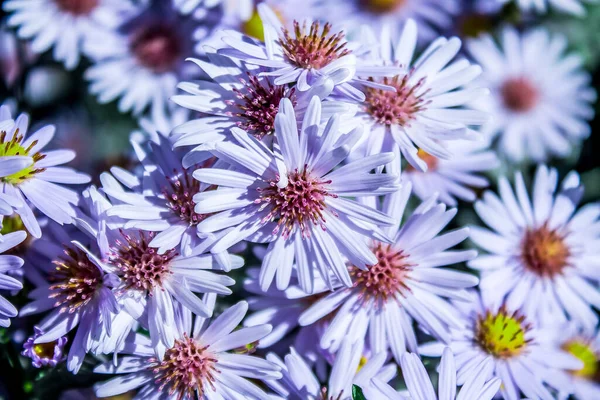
(519, 94)
(77, 7)
(313, 47)
(157, 47)
(142, 268)
(76, 279)
(394, 108)
(544, 252)
(385, 279)
(186, 368)
(300, 203)
(258, 105)
(179, 195)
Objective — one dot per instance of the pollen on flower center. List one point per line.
(395, 108)
(258, 105)
(385, 279)
(76, 280)
(14, 147)
(179, 195)
(157, 47)
(185, 369)
(502, 334)
(300, 203)
(77, 7)
(313, 47)
(519, 94)
(141, 266)
(382, 6)
(544, 251)
(582, 349)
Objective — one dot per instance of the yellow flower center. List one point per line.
(14, 147)
(14, 223)
(584, 352)
(254, 26)
(431, 161)
(382, 6)
(45, 350)
(502, 335)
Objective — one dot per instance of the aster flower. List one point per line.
(405, 284)
(429, 107)
(543, 252)
(237, 96)
(349, 368)
(540, 97)
(202, 363)
(293, 199)
(523, 355)
(37, 180)
(65, 25)
(419, 385)
(574, 7)
(432, 16)
(150, 49)
(304, 55)
(586, 347)
(9, 263)
(44, 354)
(453, 179)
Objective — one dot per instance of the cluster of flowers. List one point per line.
(303, 142)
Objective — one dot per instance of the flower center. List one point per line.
(186, 368)
(179, 195)
(502, 335)
(299, 203)
(544, 252)
(77, 280)
(254, 26)
(13, 147)
(385, 279)
(258, 105)
(584, 352)
(313, 47)
(14, 223)
(157, 48)
(44, 350)
(431, 161)
(394, 108)
(519, 94)
(382, 6)
(142, 268)
(77, 7)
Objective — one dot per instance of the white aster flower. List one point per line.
(405, 284)
(29, 174)
(543, 253)
(429, 107)
(9, 263)
(574, 7)
(524, 357)
(432, 16)
(476, 387)
(304, 55)
(295, 199)
(203, 363)
(455, 179)
(349, 368)
(66, 25)
(540, 98)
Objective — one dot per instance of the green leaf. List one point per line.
(357, 393)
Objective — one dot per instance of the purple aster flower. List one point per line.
(429, 108)
(304, 55)
(32, 175)
(349, 368)
(523, 355)
(295, 199)
(405, 284)
(543, 253)
(9, 263)
(203, 362)
(44, 354)
(453, 179)
(476, 386)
